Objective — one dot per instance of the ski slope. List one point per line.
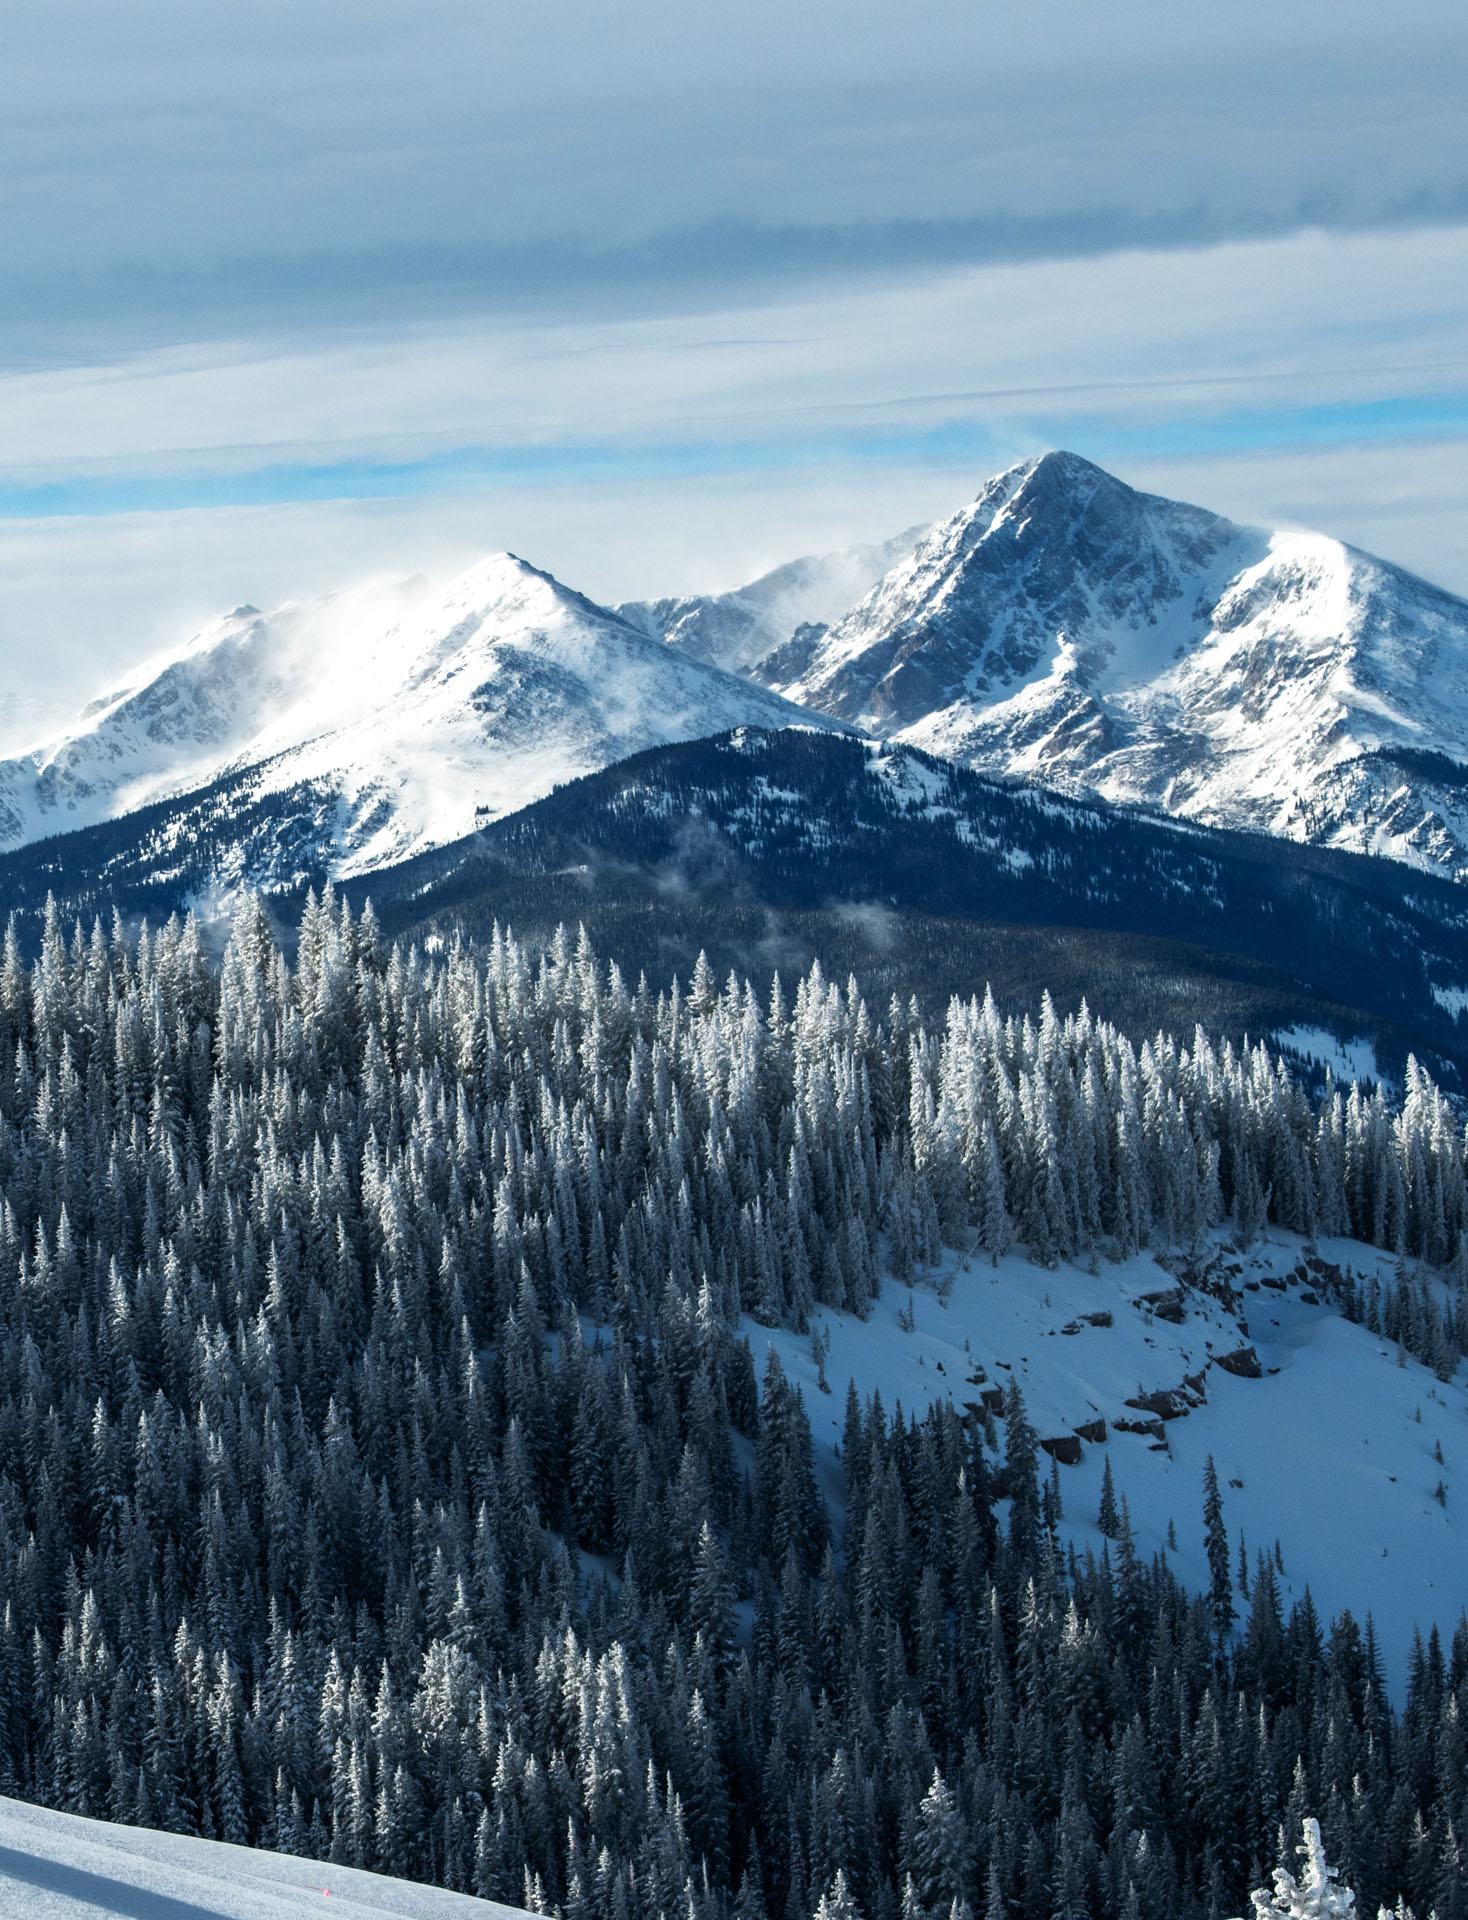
(55, 1866)
(1331, 1451)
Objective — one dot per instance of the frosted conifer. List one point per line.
(1315, 1895)
(836, 1902)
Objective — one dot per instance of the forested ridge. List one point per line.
(773, 848)
(383, 1475)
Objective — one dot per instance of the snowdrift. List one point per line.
(55, 1866)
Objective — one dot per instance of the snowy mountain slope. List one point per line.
(1335, 1425)
(1067, 628)
(57, 1866)
(182, 717)
(407, 730)
(770, 847)
(733, 630)
(497, 689)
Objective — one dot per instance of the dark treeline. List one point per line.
(383, 1475)
(770, 849)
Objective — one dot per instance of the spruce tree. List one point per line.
(1215, 1537)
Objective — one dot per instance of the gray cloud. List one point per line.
(1024, 351)
(172, 169)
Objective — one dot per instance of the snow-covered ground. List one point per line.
(1348, 1060)
(1331, 1451)
(54, 1866)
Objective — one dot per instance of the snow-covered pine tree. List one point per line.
(1315, 1895)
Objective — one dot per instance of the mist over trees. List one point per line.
(384, 1475)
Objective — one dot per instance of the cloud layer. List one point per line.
(660, 294)
(1300, 331)
(186, 164)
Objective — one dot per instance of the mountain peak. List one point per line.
(1060, 463)
(413, 714)
(1068, 627)
(1058, 488)
(507, 581)
(499, 573)
(1054, 476)
(984, 602)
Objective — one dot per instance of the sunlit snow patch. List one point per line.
(1336, 1450)
(1347, 1059)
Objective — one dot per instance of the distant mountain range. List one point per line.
(1063, 628)
(1082, 642)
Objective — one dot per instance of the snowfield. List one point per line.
(1348, 1060)
(1331, 1451)
(55, 1866)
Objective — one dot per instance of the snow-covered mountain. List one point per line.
(410, 714)
(1067, 628)
(1063, 628)
(246, 678)
(735, 629)
(770, 848)
(58, 1866)
(797, 819)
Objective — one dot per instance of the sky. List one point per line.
(660, 295)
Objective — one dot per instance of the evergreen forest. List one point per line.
(385, 1476)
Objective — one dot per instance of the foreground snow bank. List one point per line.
(55, 1866)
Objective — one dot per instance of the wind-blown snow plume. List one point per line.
(411, 715)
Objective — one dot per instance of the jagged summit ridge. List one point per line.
(1068, 628)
